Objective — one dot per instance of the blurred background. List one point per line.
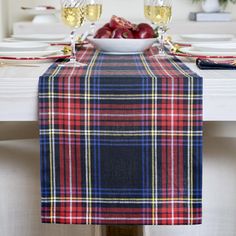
(132, 9)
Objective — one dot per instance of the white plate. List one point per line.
(22, 46)
(64, 41)
(33, 60)
(216, 47)
(47, 52)
(207, 37)
(40, 37)
(189, 43)
(192, 51)
(122, 46)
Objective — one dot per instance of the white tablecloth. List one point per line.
(19, 85)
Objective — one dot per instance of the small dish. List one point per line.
(216, 47)
(188, 52)
(39, 37)
(49, 51)
(193, 51)
(33, 60)
(22, 46)
(207, 37)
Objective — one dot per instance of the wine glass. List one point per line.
(161, 13)
(73, 14)
(93, 13)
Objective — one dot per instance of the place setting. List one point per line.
(44, 38)
(119, 36)
(30, 52)
(52, 39)
(211, 46)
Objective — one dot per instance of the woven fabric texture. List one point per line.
(121, 141)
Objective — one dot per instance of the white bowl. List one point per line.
(122, 46)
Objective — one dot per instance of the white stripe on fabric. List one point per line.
(120, 218)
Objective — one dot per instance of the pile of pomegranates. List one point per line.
(119, 27)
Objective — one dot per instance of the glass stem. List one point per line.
(162, 41)
(73, 49)
(92, 27)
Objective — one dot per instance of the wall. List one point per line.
(4, 18)
(132, 9)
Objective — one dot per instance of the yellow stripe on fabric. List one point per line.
(122, 199)
(50, 96)
(154, 174)
(87, 128)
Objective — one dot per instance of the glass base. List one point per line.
(72, 64)
(160, 54)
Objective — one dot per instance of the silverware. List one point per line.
(67, 50)
(234, 63)
(173, 47)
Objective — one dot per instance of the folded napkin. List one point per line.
(206, 64)
(121, 141)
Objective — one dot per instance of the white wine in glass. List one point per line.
(161, 14)
(93, 12)
(147, 12)
(147, 6)
(73, 14)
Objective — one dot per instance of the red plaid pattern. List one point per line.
(121, 141)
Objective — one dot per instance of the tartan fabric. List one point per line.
(121, 141)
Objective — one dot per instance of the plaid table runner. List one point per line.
(121, 141)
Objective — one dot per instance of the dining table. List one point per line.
(19, 92)
(19, 97)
